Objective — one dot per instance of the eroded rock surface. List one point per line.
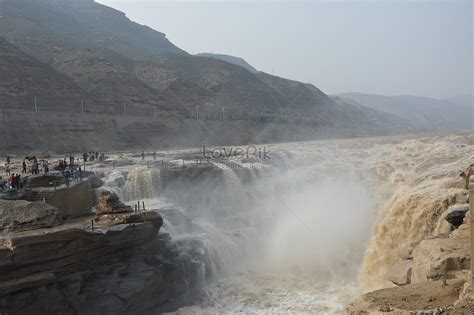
(109, 203)
(456, 214)
(21, 215)
(441, 257)
(400, 273)
(110, 269)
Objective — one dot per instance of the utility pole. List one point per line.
(223, 113)
(197, 112)
(36, 106)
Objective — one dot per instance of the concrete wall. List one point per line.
(75, 200)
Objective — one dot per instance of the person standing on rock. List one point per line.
(18, 181)
(35, 167)
(154, 155)
(7, 169)
(143, 155)
(13, 180)
(24, 167)
(45, 168)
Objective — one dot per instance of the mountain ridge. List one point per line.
(163, 81)
(230, 59)
(424, 113)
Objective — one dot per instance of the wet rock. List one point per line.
(456, 214)
(96, 182)
(400, 273)
(441, 257)
(21, 215)
(385, 308)
(109, 203)
(466, 175)
(151, 216)
(406, 251)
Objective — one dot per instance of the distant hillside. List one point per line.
(463, 100)
(208, 82)
(424, 113)
(69, 53)
(112, 86)
(230, 59)
(37, 25)
(23, 78)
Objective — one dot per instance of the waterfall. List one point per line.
(142, 183)
(424, 181)
(323, 215)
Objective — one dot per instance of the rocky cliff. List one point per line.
(114, 263)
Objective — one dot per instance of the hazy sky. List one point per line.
(386, 47)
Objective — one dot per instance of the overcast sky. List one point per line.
(420, 48)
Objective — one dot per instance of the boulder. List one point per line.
(456, 214)
(109, 203)
(441, 257)
(127, 217)
(406, 251)
(96, 182)
(21, 215)
(400, 273)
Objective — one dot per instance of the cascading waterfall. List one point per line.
(289, 234)
(142, 183)
(426, 184)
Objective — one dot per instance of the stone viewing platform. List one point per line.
(72, 199)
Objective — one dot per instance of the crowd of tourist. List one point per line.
(71, 167)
